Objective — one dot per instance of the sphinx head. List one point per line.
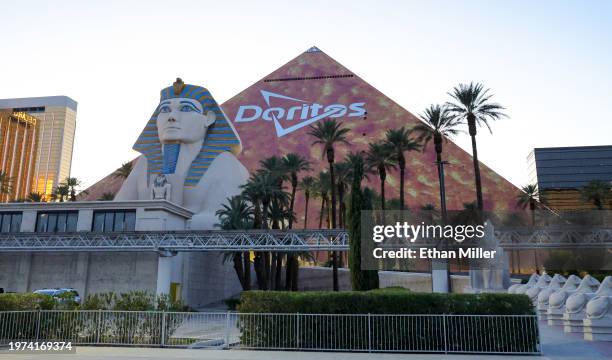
(182, 120)
(186, 114)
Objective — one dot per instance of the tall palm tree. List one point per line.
(438, 125)
(343, 172)
(72, 184)
(399, 141)
(61, 192)
(124, 171)
(323, 188)
(237, 214)
(328, 133)
(473, 103)
(598, 192)
(294, 164)
(251, 193)
(380, 159)
(6, 184)
(308, 186)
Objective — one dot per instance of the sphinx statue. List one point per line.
(543, 306)
(557, 300)
(555, 283)
(542, 282)
(598, 322)
(188, 157)
(575, 306)
(533, 279)
(540, 296)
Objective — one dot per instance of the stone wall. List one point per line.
(87, 272)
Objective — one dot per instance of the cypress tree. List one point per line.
(360, 280)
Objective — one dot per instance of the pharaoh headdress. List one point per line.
(220, 137)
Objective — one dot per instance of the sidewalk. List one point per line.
(556, 345)
(103, 353)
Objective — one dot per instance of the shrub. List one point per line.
(383, 301)
(26, 301)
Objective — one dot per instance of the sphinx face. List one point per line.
(182, 120)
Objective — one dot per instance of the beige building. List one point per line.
(56, 127)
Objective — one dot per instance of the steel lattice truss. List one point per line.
(555, 237)
(270, 240)
(275, 240)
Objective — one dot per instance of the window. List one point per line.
(10, 222)
(115, 220)
(57, 221)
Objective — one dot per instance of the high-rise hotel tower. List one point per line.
(55, 126)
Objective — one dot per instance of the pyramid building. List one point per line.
(273, 115)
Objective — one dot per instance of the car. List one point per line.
(61, 294)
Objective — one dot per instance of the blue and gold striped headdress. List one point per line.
(220, 137)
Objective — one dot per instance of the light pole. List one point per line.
(440, 278)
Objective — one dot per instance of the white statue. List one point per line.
(555, 283)
(489, 275)
(161, 189)
(533, 279)
(188, 149)
(575, 305)
(555, 314)
(598, 322)
(540, 297)
(542, 282)
(558, 299)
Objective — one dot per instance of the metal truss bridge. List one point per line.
(205, 240)
(275, 240)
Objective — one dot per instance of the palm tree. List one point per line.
(35, 197)
(598, 192)
(438, 125)
(328, 133)
(399, 141)
(529, 197)
(61, 192)
(343, 173)
(308, 186)
(380, 159)
(107, 196)
(6, 184)
(473, 104)
(237, 214)
(124, 171)
(251, 193)
(293, 164)
(72, 183)
(322, 186)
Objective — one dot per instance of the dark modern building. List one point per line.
(561, 172)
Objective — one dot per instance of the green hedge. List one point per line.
(26, 301)
(406, 332)
(384, 301)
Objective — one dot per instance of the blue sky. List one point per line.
(548, 62)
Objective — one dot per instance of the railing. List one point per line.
(510, 334)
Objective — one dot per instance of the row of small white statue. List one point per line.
(580, 305)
